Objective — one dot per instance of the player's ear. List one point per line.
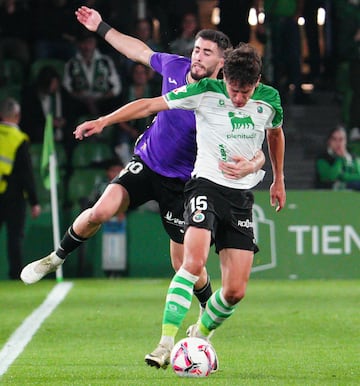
(221, 62)
(220, 65)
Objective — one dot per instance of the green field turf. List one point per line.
(283, 333)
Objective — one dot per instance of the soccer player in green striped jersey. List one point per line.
(233, 116)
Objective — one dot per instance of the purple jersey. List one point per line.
(168, 146)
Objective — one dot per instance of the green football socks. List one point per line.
(178, 301)
(216, 312)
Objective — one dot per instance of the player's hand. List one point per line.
(88, 128)
(88, 17)
(277, 194)
(239, 167)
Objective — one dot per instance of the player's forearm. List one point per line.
(140, 108)
(129, 46)
(276, 145)
(258, 161)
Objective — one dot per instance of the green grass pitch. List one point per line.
(283, 333)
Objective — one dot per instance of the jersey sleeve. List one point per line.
(160, 60)
(271, 97)
(187, 97)
(277, 117)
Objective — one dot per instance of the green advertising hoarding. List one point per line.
(316, 236)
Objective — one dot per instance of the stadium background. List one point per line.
(320, 213)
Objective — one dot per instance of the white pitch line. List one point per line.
(22, 336)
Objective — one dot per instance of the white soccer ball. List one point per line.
(193, 357)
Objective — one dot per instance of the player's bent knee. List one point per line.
(194, 268)
(234, 296)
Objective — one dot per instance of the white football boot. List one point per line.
(36, 270)
(160, 357)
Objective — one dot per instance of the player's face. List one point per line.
(239, 94)
(206, 59)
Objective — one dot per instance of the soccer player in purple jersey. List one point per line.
(163, 157)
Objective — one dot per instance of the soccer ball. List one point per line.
(193, 357)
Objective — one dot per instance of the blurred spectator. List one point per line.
(347, 49)
(337, 168)
(144, 30)
(281, 21)
(46, 95)
(91, 77)
(139, 87)
(54, 27)
(234, 16)
(17, 183)
(169, 13)
(121, 15)
(184, 43)
(15, 31)
(312, 38)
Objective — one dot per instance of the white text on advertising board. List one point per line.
(325, 239)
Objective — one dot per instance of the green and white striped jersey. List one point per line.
(223, 130)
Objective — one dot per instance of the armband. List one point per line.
(102, 29)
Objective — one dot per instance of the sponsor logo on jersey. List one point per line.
(171, 80)
(179, 90)
(245, 223)
(222, 150)
(240, 121)
(241, 136)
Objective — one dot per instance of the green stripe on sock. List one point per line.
(216, 311)
(219, 316)
(182, 280)
(218, 299)
(180, 292)
(178, 301)
(208, 322)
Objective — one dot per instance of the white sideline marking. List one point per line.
(22, 336)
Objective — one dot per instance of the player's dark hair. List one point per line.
(242, 65)
(215, 36)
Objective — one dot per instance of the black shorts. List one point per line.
(226, 212)
(143, 185)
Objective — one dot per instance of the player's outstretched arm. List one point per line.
(140, 108)
(276, 145)
(129, 46)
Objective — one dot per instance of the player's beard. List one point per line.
(204, 74)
